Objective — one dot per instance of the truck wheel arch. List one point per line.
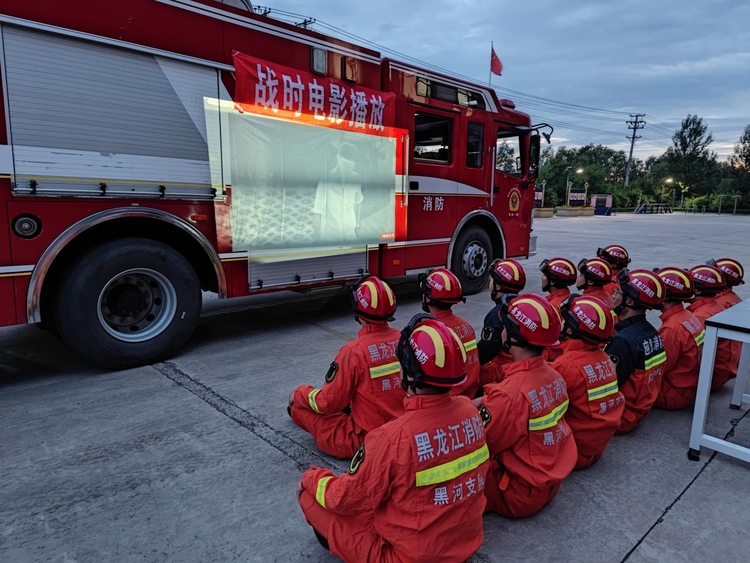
(48, 265)
(486, 221)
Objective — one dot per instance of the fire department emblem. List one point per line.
(514, 200)
(487, 333)
(357, 460)
(331, 373)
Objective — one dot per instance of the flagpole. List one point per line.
(492, 48)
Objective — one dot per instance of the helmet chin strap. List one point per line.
(494, 293)
(408, 383)
(582, 287)
(508, 342)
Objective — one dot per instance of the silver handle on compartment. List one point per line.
(406, 153)
(493, 166)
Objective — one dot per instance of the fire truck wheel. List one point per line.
(472, 255)
(127, 303)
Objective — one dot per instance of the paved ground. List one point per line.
(195, 460)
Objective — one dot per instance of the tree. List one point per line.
(691, 139)
(738, 168)
(692, 162)
(741, 156)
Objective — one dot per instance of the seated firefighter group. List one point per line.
(441, 428)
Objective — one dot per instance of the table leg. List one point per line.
(742, 374)
(703, 392)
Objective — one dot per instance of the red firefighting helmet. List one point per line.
(615, 255)
(596, 270)
(645, 288)
(677, 282)
(560, 271)
(529, 319)
(430, 353)
(588, 318)
(732, 270)
(373, 300)
(508, 275)
(442, 285)
(708, 279)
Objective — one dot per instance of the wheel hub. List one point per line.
(137, 305)
(474, 261)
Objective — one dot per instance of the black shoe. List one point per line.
(322, 540)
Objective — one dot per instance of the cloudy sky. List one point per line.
(664, 58)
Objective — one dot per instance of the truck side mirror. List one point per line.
(534, 151)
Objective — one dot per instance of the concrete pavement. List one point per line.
(196, 460)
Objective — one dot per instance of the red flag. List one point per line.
(495, 65)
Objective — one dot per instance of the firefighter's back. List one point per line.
(596, 405)
(434, 512)
(546, 453)
(378, 396)
(465, 333)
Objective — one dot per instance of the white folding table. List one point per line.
(732, 324)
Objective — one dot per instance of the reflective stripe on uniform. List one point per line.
(656, 360)
(470, 345)
(548, 420)
(387, 369)
(453, 469)
(311, 400)
(603, 391)
(320, 491)
(700, 337)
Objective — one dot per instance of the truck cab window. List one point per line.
(432, 138)
(474, 145)
(508, 154)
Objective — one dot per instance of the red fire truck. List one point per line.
(112, 221)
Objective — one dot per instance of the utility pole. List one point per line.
(635, 124)
(307, 23)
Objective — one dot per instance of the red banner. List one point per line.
(288, 93)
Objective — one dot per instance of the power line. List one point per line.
(541, 104)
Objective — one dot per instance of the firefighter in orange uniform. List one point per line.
(733, 274)
(709, 282)
(594, 274)
(441, 290)
(682, 334)
(636, 348)
(617, 257)
(415, 489)
(531, 445)
(596, 404)
(506, 276)
(366, 377)
(558, 274)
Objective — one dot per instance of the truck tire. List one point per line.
(127, 303)
(472, 256)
